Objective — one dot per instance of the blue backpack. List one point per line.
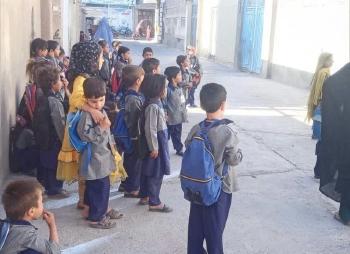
(73, 119)
(4, 231)
(121, 134)
(199, 181)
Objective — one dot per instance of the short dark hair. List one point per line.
(171, 72)
(146, 50)
(94, 88)
(36, 45)
(19, 197)
(211, 96)
(102, 43)
(122, 50)
(130, 74)
(46, 76)
(180, 59)
(52, 45)
(150, 64)
(153, 86)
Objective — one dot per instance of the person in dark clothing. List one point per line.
(105, 72)
(48, 125)
(335, 142)
(53, 54)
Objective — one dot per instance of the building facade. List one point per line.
(20, 22)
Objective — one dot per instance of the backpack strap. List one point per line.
(5, 228)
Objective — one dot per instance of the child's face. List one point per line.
(100, 61)
(139, 80)
(96, 103)
(57, 52)
(36, 212)
(157, 71)
(42, 52)
(186, 63)
(105, 49)
(147, 55)
(56, 87)
(178, 78)
(126, 56)
(66, 62)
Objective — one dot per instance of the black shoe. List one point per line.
(193, 106)
(180, 153)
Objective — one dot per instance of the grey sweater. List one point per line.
(23, 237)
(102, 161)
(224, 142)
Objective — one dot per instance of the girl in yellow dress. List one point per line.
(85, 61)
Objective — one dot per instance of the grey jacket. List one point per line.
(154, 122)
(133, 110)
(224, 142)
(175, 105)
(58, 116)
(23, 237)
(102, 161)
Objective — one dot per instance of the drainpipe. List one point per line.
(272, 39)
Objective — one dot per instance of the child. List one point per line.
(38, 49)
(123, 59)
(54, 51)
(132, 80)
(100, 162)
(196, 73)
(157, 164)
(147, 53)
(184, 64)
(151, 66)
(105, 72)
(175, 107)
(23, 203)
(49, 124)
(208, 222)
(115, 46)
(322, 72)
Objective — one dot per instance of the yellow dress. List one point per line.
(68, 158)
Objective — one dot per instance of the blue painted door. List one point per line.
(251, 35)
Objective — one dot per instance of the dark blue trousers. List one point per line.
(150, 187)
(344, 209)
(133, 168)
(175, 132)
(208, 222)
(48, 169)
(190, 99)
(97, 198)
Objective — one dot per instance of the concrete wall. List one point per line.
(18, 26)
(217, 29)
(297, 31)
(175, 19)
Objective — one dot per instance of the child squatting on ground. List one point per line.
(208, 222)
(97, 167)
(22, 236)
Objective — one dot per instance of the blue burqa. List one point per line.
(104, 32)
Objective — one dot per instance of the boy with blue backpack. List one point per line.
(97, 161)
(128, 123)
(207, 176)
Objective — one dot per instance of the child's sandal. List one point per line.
(114, 214)
(105, 223)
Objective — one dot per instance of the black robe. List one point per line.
(335, 136)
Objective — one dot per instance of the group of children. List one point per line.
(152, 113)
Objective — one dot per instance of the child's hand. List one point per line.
(96, 115)
(49, 218)
(105, 123)
(154, 154)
